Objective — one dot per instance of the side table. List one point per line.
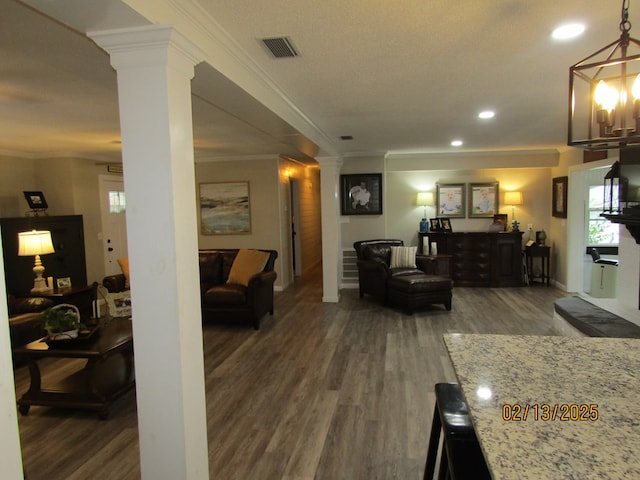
(82, 297)
(543, 253)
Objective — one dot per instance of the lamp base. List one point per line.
(424, 226)
(40, 286)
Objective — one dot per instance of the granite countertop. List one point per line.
(580, 398)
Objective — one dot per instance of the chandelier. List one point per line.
(604, 100)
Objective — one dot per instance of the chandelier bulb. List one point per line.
(605, 96)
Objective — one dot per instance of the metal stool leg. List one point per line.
(434, 441)
(460, 457)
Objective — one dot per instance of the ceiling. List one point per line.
(399, 77)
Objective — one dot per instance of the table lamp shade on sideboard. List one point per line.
(36, 243)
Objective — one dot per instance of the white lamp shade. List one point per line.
(513, 198)
(425, 198)
(35, 243)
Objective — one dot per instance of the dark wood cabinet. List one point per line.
(67, 234)
(481, 259)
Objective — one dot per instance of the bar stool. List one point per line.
(461, 457)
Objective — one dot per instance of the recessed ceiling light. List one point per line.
(456, 143)
(570, 30)
(487, 114)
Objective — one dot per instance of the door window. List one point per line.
(117, 202)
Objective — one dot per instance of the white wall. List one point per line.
(16, 175)
(406, 175)
(404, 215)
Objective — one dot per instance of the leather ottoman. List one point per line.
(418, 290)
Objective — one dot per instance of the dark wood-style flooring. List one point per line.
(322, 391)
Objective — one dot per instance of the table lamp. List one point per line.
(36, 243)
(513, 199)
(424, 199)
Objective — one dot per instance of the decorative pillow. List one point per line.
(403, 257)
(124, 266)
(119, 304)
(246, 264)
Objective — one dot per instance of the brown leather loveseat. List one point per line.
(246, 298)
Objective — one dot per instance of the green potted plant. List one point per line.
(61, 322)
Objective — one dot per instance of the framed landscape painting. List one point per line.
(224, 208)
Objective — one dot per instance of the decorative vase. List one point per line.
(542, 237)
(424, 226)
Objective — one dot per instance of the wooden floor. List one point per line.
(324, 391)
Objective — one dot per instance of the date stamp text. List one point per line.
(546, 412)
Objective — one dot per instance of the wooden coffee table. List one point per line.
(107, 374)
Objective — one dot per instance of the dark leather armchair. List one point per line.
(374, 271)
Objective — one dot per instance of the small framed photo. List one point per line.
(434, 224)
(559, 197)
(36, 200)
(450, 200)
(446, 225)
(119, 304)
(483, 199)
(499, 223)
(63, 282)
(501, 218)
(361, 194)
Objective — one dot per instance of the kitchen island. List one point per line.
(552, 407)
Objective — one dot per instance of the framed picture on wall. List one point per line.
(559, 197)
(36, 200)
(450, 199)
(361, 194)
(483, 199)
(224, 208)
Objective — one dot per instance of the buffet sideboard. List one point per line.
(481, 259)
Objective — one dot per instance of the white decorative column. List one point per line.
(330, 204)
(155, 65)
(10, 454)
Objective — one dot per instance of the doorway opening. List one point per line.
(296, 244)
(114, 225)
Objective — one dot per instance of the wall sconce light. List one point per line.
(612, 191)
(36, 243)
(425, 199)
(513, 199)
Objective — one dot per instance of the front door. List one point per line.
(114, 226)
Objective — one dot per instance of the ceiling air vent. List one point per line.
(280, 47)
